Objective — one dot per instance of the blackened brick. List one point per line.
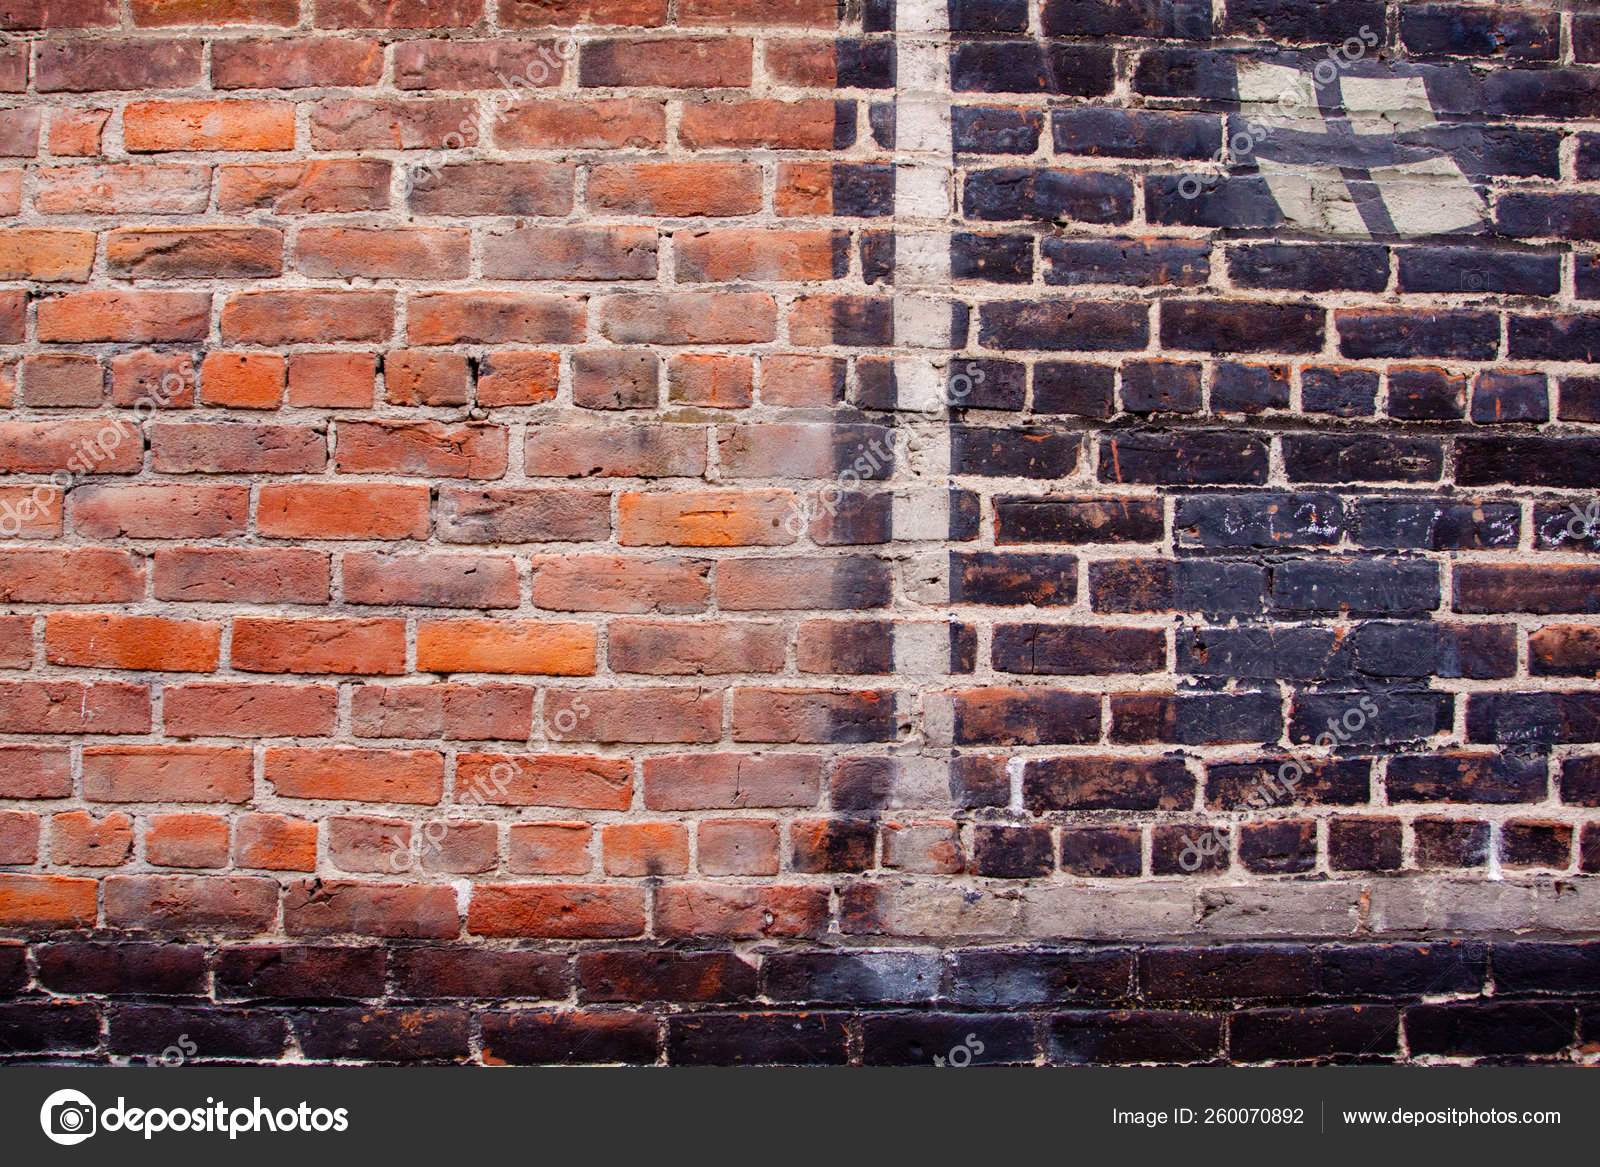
(1145, 262)
(1427, 394)
(988, 130)
(1104, 783)
(1072, 387)
(121, 967)
(1325, 1032)
(1117, 133)
(1279, 847)
(1185, 585)
(1031, 67)
(633, 975)
(1504, 396)
(1102, 852)
(773, 1039)
(1310, 268)
(1012, 852)
(1364, 844)
(894, 978)
(1019, 192)
(917, 1039)
(1073, 650)
(424, 1034)
(1052, 520)
(1034, 452)
(1186, 458)
(216, 1033)
(1489, 1028)
(1009, 977)
(1134, 1036)
(1239, 388)
(300, 972)
(1259, 520)
(1450, 843)
(535, 1039)
(1477, 270)
(1410, 333)
(1232, 327)
(1346, 458)
(1340, 392)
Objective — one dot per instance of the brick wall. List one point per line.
(696, 530)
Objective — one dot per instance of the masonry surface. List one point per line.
(771, 531)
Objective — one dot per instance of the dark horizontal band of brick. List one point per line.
(114, 1000)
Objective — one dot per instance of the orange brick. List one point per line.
(275, 842)
(47, 901)
(243, 380)
(776, 125)
(712, 518)
(335, 645)
(183, 511)
(645, 848)
(75, 133)
(78, 840)
(676, 189)
(355, 510)
(710, 380)
(565, 780)
(93, 640)
(505, 646)
(155, 126)
(35, 253)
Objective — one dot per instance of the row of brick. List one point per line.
(355, 844)
(730, 317)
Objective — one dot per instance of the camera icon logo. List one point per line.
(68, 1117)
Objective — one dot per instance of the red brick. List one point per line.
(398, 13)
(264, 644)
(16, 641)
(713, 518)
(306, 317)
(638, 715)
(305, 188)
(494, 318)
(645, 848)
(523, 515)
(274, 842)
(410, 776)
(167, 774)
(805, 64)
(412, 377)
(19, 838)
(107, 707)
(298, 63)
(638, 646)
(62, 380)
(35, 771)
(607, 583)
(429, 448)
(166, 13)
(430, 581)
(549, 849)
(369, 844)
(565, 780)
(75, 133)
(160, 379)
(194, 252)
(812, 715)
(684, 62)
(125, 317)
(711, 380)
(556, 911)
(379, 253)
(545, 13)
(442, 712)
(243, 380)
(35, 253)
(572, 253)
(690, 318)
(356, 123)
(79, 575)
(333, 380)
(486, 64)
(96, 63)
(184, 903)
(579, 451)
(619, 123)
(518, 378)
(676, 189)
(47, 901)
(799, 13)
(236, 448)
(316, 907)
(79, 840)
(738, 847)
(157, 126)
(122, 189)
(233, 709)
(186, 840)
(342, 510)
(708, 909)
(775, 125)
(109, 641)
(105, 446)
(248, 575)
(732, 782)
